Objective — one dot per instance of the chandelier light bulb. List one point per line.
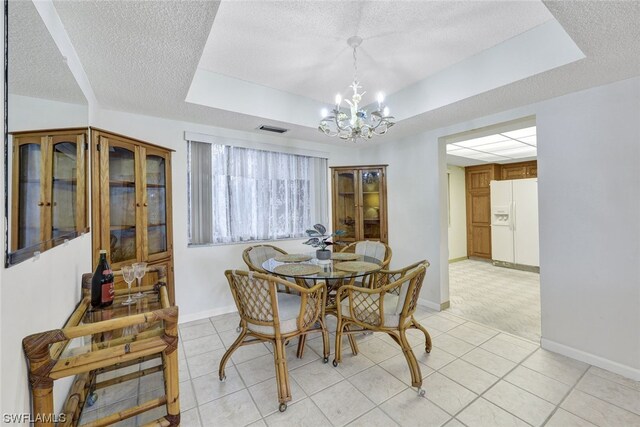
(380, 98)
(338, 99)
(386, 111)
(324, 112)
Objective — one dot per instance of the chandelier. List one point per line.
(359, 124)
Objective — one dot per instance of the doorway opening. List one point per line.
(492, 179)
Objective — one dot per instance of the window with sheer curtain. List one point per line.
(238, 194)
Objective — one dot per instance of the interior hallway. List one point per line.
(502, 298)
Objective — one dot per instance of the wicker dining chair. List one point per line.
(254, 256)
(387, 308)
(267, 315)
(378, 250)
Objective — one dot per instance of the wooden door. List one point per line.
(119, 202)
(27, 192)
(346, 215)
(371, 204)
(67, 188)
(156, 202)
(479, 210)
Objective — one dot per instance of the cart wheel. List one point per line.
(92, 398)
(335, 363)
(283, 407)
(325, 360)
(421, 392)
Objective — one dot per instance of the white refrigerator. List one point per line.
(514, 222)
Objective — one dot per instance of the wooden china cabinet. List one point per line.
(131, 210)
(48, 191)
(359, 202)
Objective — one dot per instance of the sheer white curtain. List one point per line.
(253, 194)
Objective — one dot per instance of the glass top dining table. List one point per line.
(336, 269)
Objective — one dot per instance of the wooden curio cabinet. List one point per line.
(131, 186)
(48, 187)
(360, 202)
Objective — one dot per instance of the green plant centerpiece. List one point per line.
(318, 238)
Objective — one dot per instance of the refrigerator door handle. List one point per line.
(512, 221)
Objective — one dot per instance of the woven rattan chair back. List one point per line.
(255, 255)
(384, 277)
(378, 250)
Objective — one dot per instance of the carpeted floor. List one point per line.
(501, 298)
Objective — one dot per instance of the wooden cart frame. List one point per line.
(44, 352)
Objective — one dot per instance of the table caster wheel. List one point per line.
(223, 378)
(428, 351)
(421, 392)
(335, 363)
(325, 360)
(282, 407)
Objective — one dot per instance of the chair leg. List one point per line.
(229, 352)
(282, 375)
(352, 342)
(325, 343)
(414, 368)
(427, 337)
(337, 357)
(302, 339)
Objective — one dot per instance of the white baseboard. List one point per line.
(184, 318)
(592, 359)
(429, 304)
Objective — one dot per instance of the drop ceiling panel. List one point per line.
(521, 133)
(498, 148)
(516, 153)
(502, 145)
(482, 141)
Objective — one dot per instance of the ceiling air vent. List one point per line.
(273, 129)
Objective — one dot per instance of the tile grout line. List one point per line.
(502, 378)
(565, 398)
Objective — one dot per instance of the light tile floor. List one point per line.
(474, 376)
(503, 298)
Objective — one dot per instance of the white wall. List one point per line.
(38, 295)
(589, 195)
(28, 113)
(589, 199)
(457, 213)
(201, 289)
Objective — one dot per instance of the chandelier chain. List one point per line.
(355, 64)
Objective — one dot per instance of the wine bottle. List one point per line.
(102, 290)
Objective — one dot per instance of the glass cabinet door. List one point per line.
(371, 208)
(156, 203)
(345, 209)
(28, 188)
(122, 204)
(64, 186)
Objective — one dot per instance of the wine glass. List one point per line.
(139, 269)
(128, 273)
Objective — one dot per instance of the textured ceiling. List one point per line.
(36, 66)
(300, 46)
(141, 57)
